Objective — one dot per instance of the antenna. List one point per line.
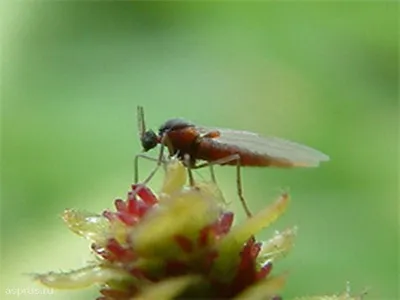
(141, 122)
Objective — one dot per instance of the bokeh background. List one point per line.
(323, 74)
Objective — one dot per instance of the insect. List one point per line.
(218, 146)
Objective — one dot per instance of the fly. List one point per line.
(221, 146)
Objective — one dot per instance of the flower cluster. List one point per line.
(180, 243)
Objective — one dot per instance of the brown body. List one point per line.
(203, 146)
(226, 147)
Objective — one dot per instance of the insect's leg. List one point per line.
(188, 164)
(212, 173)
(159, 160)
(220, 161)
(211, 166)
(136, 164)
(231, 158)
(165, 142)
(240, 189)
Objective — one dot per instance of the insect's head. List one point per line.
(149, 140)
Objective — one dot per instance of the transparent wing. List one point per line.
(273, 147)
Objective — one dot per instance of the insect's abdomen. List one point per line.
(210, 150)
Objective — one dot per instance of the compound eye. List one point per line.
(149, 140)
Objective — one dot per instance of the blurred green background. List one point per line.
(324, 74)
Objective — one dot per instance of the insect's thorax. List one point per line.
(181, 137)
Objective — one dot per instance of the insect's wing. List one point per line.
(272, 147)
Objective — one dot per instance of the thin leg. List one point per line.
(159, 162)
(165, 142)
(213, 178)
(186, 159)
(136, 164)
(230, 158)
(221, 161)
